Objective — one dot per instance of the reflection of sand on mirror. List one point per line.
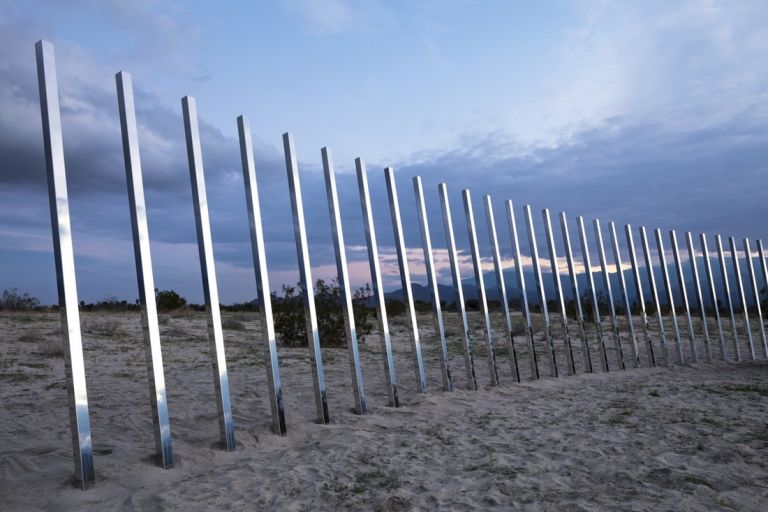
(686, 438)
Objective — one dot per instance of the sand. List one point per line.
(692, 437)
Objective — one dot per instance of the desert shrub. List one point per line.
(288, 311)
(12, 300)
(395, 307)
(232, 324)
(168, 300)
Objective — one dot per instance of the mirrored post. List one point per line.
(208, 271)
(575, 290)
(558, 290)
(453, 258)
(592, 293)
(684, 294)
(742, 295)
(654, 294)
(639, 293)
(729, 302)
(305, 281)
(624, 295)
(755, 296)
(699, 296)
(713, 294)
(609, 293)
(390, 373)
(670, 297)
(479, 282)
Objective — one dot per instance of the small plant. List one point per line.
(12, 300)
(169, 300)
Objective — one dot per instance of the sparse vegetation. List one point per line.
(12, 300)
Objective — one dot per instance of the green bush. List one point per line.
(288, 312)
(169, 300)
(13, 301)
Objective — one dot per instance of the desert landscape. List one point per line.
(690, 437)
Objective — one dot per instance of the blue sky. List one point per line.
(648, 113)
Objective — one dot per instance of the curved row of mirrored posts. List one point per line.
(75, 372)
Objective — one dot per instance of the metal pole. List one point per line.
(727, 288)
(624, 295)
(540, 288)
(575, 290)
(353, 351)
(478, 270)
(654, 294)
(405, 278)
(258, 252)
(713, 294)
(469, 361)
(305, 281)
(429, 261)
(684, 294)
(763, 267)
(592, 293)
(609, 291)
(639, 292)
(74, 368)
(526, 310)
(146, 283)
(742, 297)
(699, 296)
(390, 373)
(499, 271)
(670, 297)
(558, 290)
(756, 295)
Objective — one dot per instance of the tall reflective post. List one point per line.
(453, 258)
(670, 296)
(639, 292)
(742, 295)
(480, 283)
(684, 294)
(540, 289)
(345, 293)
(305, 281)
(654, 294)
(58, 199)
(558, 290)
(713, 294)
(575, 290)
(146, 283)
(405, 279)
(755, 296)
(699, 295)
(258, 253)
(390, 373)
(499, 271)
(526, 309)
(729, 302)
(429, 261)
(592, 293)
(208, 271)
(609, 292)
(764, 268)
(624, 295)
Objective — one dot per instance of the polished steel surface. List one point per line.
(684, 294)
(742, 295)
(377, 288)
(480, 284)
(258, 250)
(729, 302)
(558, 290)
(624, 295)
(405, 279)
(537, 275)
(345, 293)
(756, 296)
(429, 261)
(670, 297)
(639, 293)
(526, 310)
(208, 271)
(592, 293)
(499, 272)
(713, 294)
(146, 283)
(453, 258)
(609, 292)
(305, 281)
(575, 290)
(764, 268)
(74, 367)
(699, 295)
(654, 294)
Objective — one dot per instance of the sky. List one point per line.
(650, 113)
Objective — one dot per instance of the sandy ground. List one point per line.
(691, 437)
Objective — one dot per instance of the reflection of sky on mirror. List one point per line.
(649, 113)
